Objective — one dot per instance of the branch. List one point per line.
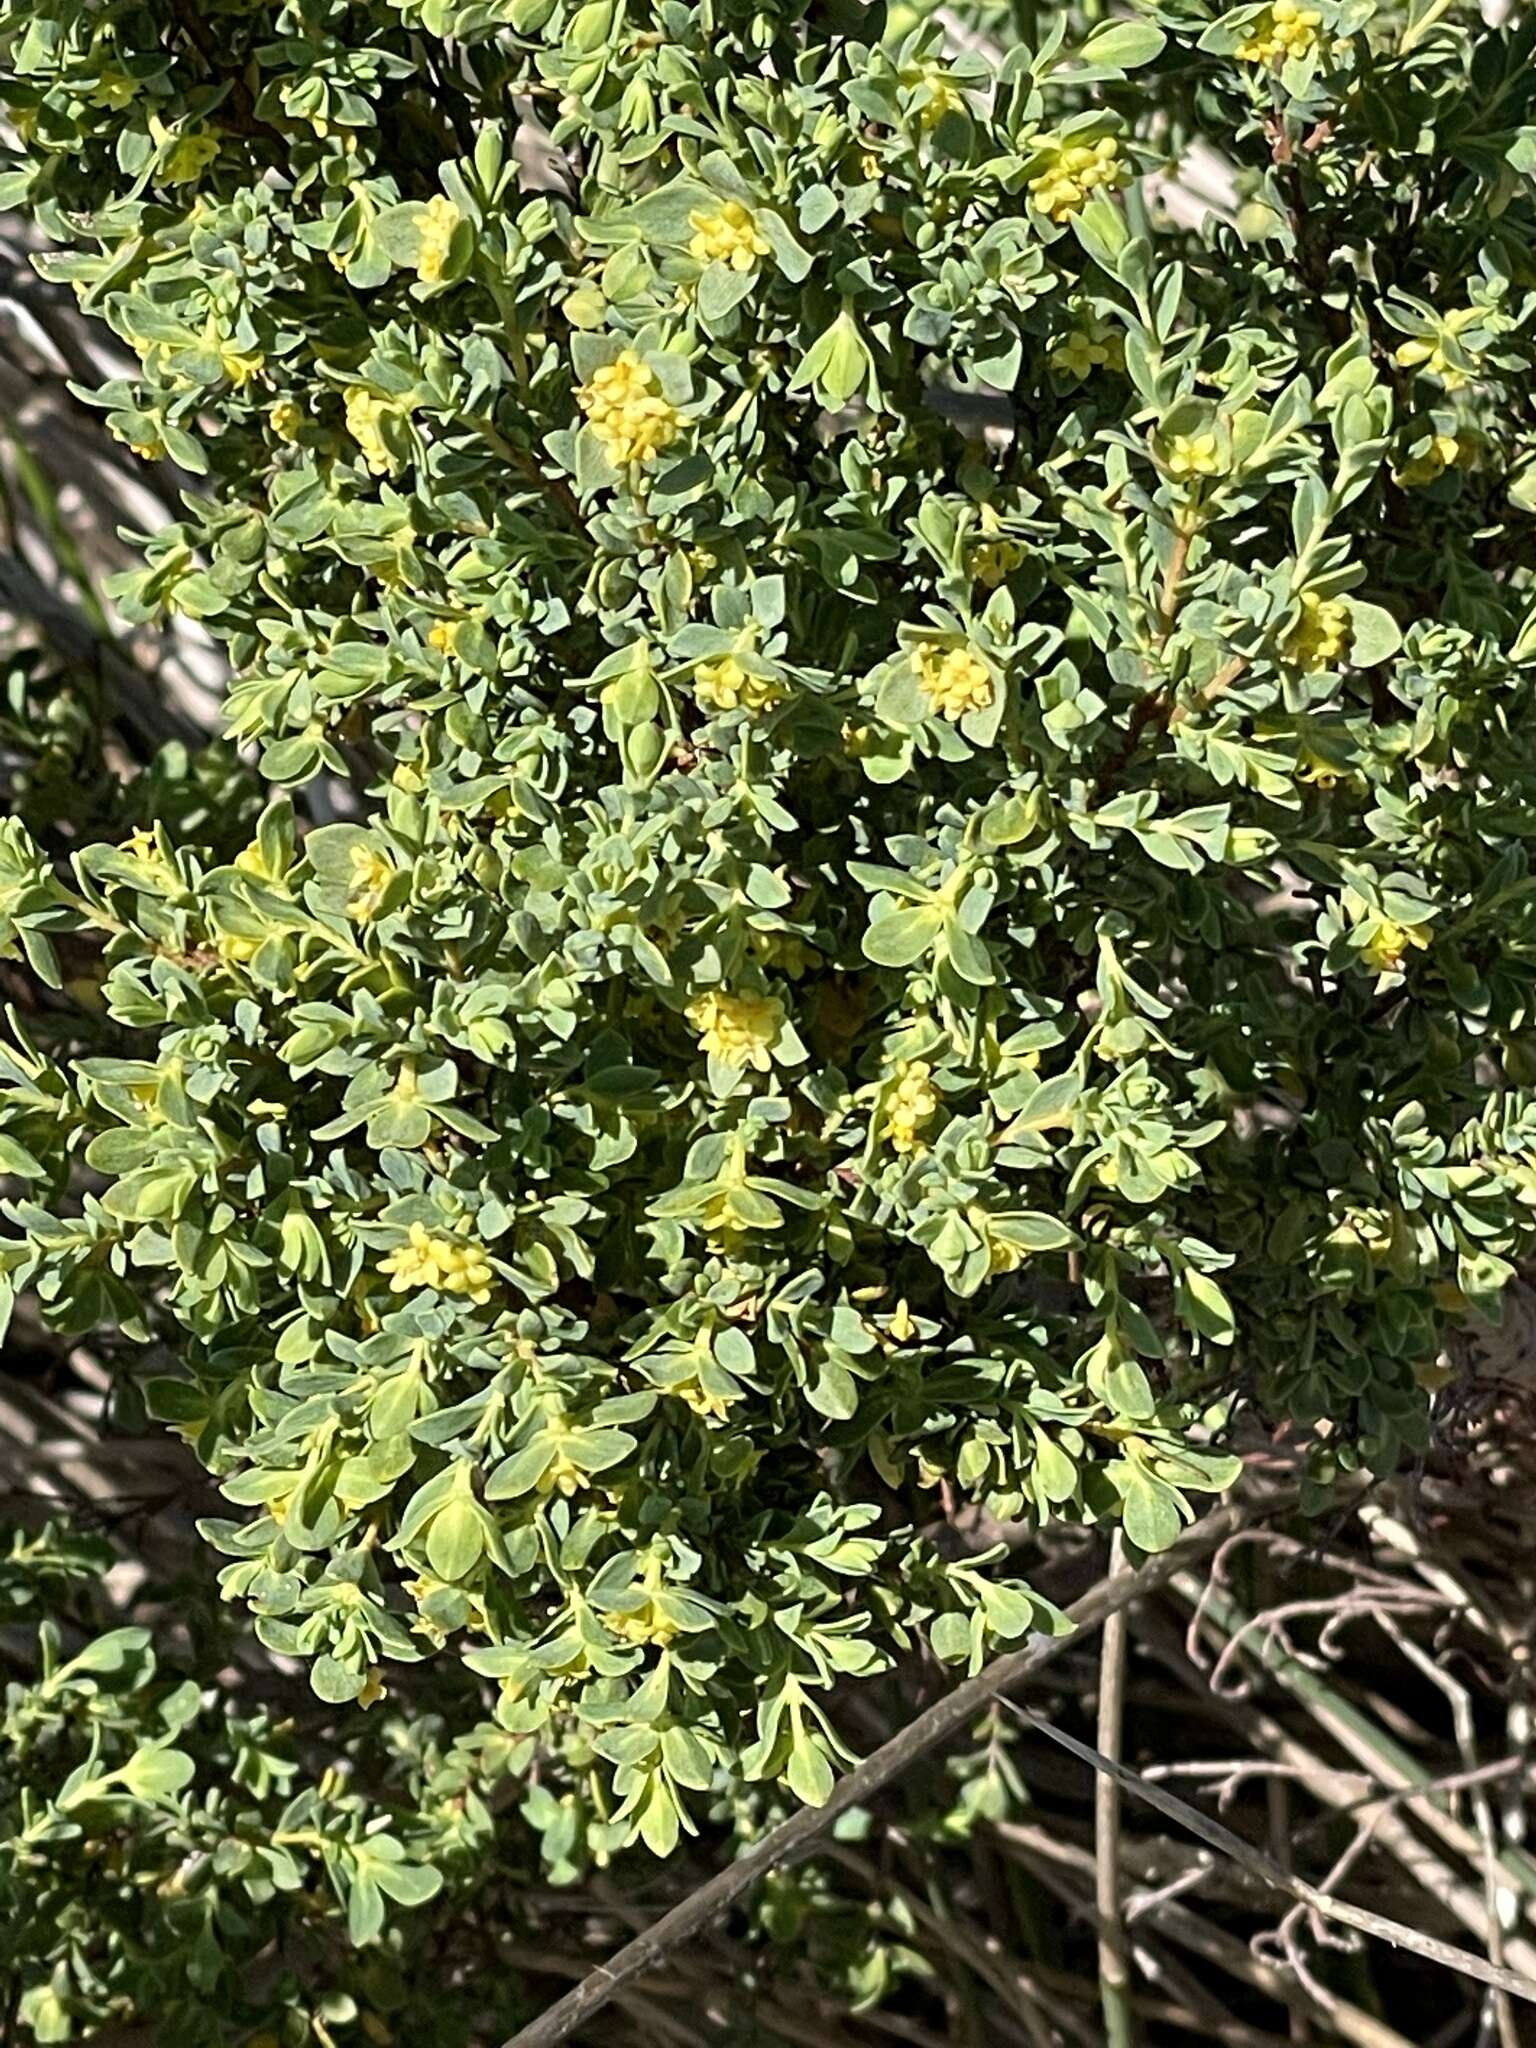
(797, 1837)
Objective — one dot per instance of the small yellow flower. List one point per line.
(366, 413)
(726, 686)
(647, 1625)
(1430, 356)
(235, 948)
(148, 451)
(741, 1030)
(141, 850)
(729, 236)
(785, 950)
(912, 1103)
(190, 156)
(562, 1475)
(1081, 351)
(285, 419)
(372, 873)
(1390, 942)
(443, 635)
(944, 97)
(627, 412)
(240, 365)
(250, 860)
(1073, 172)
(955, 680)
(434, 228)
(113, 89)
(1316, 768)
(1284, 30)
(440, 1263)
(1002, 1255)
(712, 1403)
(993, 561)
(1443, 452)
(1194, 455)
(1321, 637)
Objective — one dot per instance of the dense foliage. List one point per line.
(897, 867)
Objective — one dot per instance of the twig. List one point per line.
(1168, 603)
(1460, 1702)
(1353, 1730)
(1197, 1933)
(1259, 1865)
(1120, 2029)
(798, 1836)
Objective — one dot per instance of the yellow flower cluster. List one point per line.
(729, 236)
(366, 413)
(434, 228)
(438, 1262)
(912, 1104)
(1390, 943)
(1074, 172)
(627, 412)
(741, 1030)
(443, 634)
(1193, 455)
(1320, 637)
(372, 873)
(1283, 31)
(285, 419)
(955, 680)
(726, 686)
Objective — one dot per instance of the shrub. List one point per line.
(897, 872)
(168, 1860)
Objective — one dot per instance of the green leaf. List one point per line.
(1374, 634)
(1205, 1307)
(456, 1539)
(1123, 45)
(157, 1774)
(1150, 1512)
(808, 1773)
(902, 937)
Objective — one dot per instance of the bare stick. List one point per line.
(798, 1836)
(1120, 2029)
